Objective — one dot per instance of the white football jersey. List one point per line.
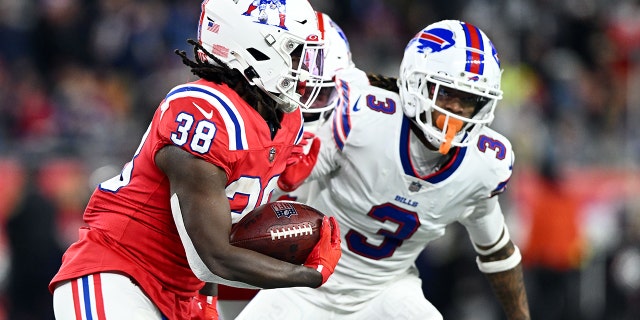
(307, 192)
(368, 177)
(386, 210)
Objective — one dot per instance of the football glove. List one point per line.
(204, 307)
(299, 164)
(325, 255)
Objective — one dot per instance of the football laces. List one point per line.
(292, 232)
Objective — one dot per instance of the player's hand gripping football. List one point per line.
(325, 255)
(300, 164)
(204, 308)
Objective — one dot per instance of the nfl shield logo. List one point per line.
(272, 154)
(283, 209)
(415, 186)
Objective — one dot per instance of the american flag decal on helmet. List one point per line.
(213, 27)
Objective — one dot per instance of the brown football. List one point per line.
(285, 230)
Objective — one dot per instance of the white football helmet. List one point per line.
(446, 55)
(275, 44)
(337, 57)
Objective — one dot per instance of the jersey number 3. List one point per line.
(406, 222)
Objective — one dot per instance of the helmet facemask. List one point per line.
(301, 86)
(447, 72)
(337, 57)
(426, 93)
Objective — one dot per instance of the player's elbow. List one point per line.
(506, 258)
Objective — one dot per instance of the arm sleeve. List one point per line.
(485, 223)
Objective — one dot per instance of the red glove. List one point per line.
(298, 149)
(299, 164)
(204, 307)
(325, 255)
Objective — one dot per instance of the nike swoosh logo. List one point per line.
(207, 115)
(355, 106)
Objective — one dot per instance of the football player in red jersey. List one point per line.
(213, 152)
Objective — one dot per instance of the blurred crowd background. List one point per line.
(80, 79)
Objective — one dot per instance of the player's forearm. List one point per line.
(500, 262)
(250, 267)
(209, 289)
(509, 288)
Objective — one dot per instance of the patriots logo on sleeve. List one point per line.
(433, 40)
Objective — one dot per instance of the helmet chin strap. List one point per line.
(285, 105)
(428, 140)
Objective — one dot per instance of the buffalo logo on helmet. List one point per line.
(433, 40)
(283, 209)
(267, 9)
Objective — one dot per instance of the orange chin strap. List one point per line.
(453, 127)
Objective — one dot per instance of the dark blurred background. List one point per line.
(80, 79)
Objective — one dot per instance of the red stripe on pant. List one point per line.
(97, 295)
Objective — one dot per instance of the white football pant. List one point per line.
(103, 296)
(402, 300)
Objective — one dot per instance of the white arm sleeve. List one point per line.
(195, 262)
(487, 228)
(486, 223)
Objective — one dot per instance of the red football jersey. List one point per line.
(130, 225)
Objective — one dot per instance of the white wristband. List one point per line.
(501, 265)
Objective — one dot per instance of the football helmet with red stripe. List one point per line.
(449, 60)
(337, 58)
(277, 45)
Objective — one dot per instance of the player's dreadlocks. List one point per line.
(384, 82)
(222, 74)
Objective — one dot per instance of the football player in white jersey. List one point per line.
(400, 161)
(337, 58)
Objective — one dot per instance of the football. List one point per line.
(285, 230)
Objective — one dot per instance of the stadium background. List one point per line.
(79, 80)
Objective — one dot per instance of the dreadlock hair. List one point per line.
(384, 82)
(221, 73)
